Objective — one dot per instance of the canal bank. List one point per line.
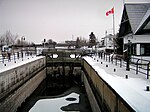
(19, 80)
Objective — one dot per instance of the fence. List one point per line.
(13, 56)
(138, 65)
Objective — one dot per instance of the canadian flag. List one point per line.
(110, 12)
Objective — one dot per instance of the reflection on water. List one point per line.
(55, 104)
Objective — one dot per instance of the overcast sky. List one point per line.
(59, 20)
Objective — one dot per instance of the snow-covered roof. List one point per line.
(104, 48)
(134, 18)
(144, 19)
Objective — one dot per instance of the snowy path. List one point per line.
(18, 62)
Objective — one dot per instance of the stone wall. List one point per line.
(93, 102)
(102, 95)
(18, 83)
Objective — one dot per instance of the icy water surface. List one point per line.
(51, 97)
(55, 104)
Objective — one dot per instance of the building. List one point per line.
(135, 29)
(108, 41)
(107, 44)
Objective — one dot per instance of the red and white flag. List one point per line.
(110, 12)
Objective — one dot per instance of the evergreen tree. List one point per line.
(92, 40)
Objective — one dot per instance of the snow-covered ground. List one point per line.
(17, 62)
(131, 89)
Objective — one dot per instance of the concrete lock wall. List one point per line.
(101, 95)
(94, 105)
(19, 83)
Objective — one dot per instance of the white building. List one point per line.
(135, 26)
(107, 44)
(108, 41)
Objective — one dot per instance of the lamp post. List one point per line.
(44, 42)
(22, 39)
(128, 55)
(1, 45)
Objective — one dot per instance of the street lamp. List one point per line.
(128, 55)
(44, 42)
(22, 39)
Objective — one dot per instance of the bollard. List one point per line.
(114, 70)
(106, 65)
(147, 88)
(126, 76)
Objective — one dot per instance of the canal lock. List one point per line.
(60, 81)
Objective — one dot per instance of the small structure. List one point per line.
(135, 27)
(107, 44)
(6, 51)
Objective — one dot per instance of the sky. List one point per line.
(59, 20)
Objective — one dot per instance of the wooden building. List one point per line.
(135, 29)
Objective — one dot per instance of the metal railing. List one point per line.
(138, 65)
(13, 57)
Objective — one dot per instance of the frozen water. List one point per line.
(54, 104)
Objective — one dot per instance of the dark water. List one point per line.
(57, 95)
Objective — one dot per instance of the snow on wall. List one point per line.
(132, 90)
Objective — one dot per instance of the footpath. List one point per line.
(8, 64)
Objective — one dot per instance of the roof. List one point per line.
(135, 18)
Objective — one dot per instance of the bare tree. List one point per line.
(2, 40)
(8, 38)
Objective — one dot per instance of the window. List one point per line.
(142, 49)
(145, 49)
(133, 49)
(110, 39)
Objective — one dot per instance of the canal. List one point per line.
(58, 94)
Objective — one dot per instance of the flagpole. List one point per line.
(114, 31)
(112, 12)
(123, 2)
(113, 24)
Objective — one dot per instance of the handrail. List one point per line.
(138, 69)
(13, 57)
(137, 66)
(148, 69)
